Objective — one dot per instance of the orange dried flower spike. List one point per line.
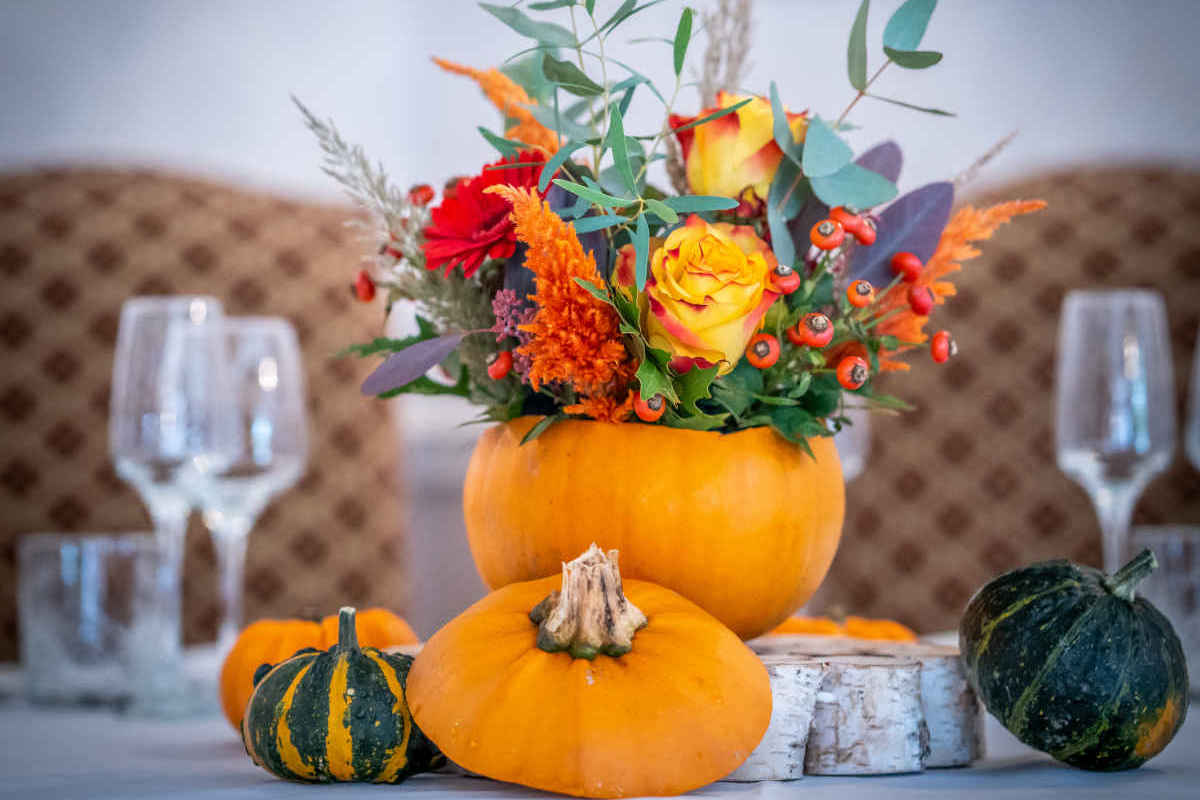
(508, 96)
(968, 225)
(576, 338)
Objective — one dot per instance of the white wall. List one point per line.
(203, 87)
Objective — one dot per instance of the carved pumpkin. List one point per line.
(270, 641)
(576, 685)
(340, 715)
(745, 525)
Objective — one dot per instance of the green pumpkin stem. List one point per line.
(590, 615)
(1123, 582)
(347, 632)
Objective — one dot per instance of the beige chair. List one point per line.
(73, 245)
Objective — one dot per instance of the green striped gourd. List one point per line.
(1075, 665)
(339, 715)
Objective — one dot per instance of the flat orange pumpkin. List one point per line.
(745, 524)
(669, 700)
(271, 641)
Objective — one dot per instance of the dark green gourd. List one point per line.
(339, 715)
(1075, 665)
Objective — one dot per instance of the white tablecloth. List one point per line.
(73, 754)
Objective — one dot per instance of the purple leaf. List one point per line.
(884, 158)
(404, 367)
(913, 224)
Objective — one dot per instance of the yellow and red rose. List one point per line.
(736, 151)
(707, 292)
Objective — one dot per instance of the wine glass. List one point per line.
(853, 442)
(1192, 436)
(168, 421)
(1115, 415)
(266, 389)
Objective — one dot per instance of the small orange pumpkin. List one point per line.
(577, 685)
(271, 641)
(745, 525)
(854, 627)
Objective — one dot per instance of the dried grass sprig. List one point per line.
(724, 63)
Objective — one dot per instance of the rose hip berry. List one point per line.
(920, 300)
(421, 194)
(855, 224)
(907, 266)
(827, 234)
(784, 279)
(364, 287)
(649, 410)
(816, 329)
(852, 372)
(763, 351)
(942, 347)
(500, 365)
(860, 294)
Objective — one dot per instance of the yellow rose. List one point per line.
(735, 151)
(706, 293)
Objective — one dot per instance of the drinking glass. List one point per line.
(1192, 435)
(1174, 588)
(853, 442)
(266, 388)
(1115, 403)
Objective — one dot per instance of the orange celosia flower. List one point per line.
(968, 225)
(508, 96)
(576, 338)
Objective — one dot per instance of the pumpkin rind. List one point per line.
(745, 524)
(684, 707)
(340, 715)
(270, 641)
(1072, 668)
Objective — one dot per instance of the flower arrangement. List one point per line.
(770, 286)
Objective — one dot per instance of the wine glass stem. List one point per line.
(230, 534)
(170, 518)
(1114, 506)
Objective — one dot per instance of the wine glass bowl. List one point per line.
(1115, 403)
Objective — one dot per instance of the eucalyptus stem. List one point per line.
(861, 93)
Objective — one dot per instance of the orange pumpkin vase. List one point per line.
(745, 524)
(591, 686)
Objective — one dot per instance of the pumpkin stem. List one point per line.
(1125, 580)
(347, 632)
(590, 615)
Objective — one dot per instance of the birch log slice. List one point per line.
(780, 754)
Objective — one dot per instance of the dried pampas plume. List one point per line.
(728, 29)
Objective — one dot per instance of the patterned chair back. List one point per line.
(966, 486)
(76, 243)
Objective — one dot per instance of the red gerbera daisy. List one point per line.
(470, 225)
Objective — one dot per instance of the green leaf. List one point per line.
(720, 112)
(545, 32)
(779, 211)
(590, 5)
(853, 186)
(700, 202)
(824, 151)
(699, 422)
(664, 211)
(823, 292)
(540, 427)
(598, 223)
(641, 246)
(560, 123)
(550, 5)
(780, 128)
(906, 28)
(913, 59)
(591, 195)
(695, 384)
(652, 380)
(507, 147)
(801, 387)
(624, 12)
(616, 138)
(888, 401)
(894, 102)
(555, 162)
(772, 400)
(570, 77)
(594, 290)
(683, 35)
(856, 53)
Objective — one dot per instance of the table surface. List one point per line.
(76, 754)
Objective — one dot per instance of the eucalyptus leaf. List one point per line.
(570, 77)
(925, 109)
(594, 290)
(590, 6)
(856, 52)
(906, 27)
(541, 426)
(507, 147)
(591, 195)
(559, 122)
(692, 203)
(641, 246)
(912, 224)
(781, 130)
(824, 151)
(551, 5)
(616, 138)
(598, 222)
(544, 32)
(405, 366)
(626, 10)
(854, 187)
(683, 36)
(720, 112)
(556, 161)
(664, 211)
(913, 59)
(779, 211)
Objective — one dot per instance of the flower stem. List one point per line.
(861, 93)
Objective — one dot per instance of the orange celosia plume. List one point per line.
(968, 225)
(508, 96)
(576, 338)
